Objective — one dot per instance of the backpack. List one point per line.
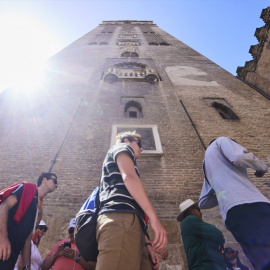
(86, 221)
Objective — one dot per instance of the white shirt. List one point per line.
(226, 164)
(36, 259)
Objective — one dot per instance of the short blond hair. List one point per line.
(130, 135)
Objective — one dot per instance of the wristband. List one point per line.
(26, 266)
(148, 244)
(77, 260)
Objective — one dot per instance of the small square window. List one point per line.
(133, 114)
(150, 137)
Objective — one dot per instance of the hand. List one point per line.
(60, 250)
(153, 257)
(163, 253)
(259, 173)
(221, 249)
(70, 253)
(160, 240)
(5, 248)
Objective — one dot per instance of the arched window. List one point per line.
(133, 109)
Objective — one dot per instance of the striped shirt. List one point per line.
(114, 196)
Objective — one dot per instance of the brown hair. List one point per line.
(130, 135)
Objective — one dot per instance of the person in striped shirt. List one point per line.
(121, 227)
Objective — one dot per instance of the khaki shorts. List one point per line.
(120, 242)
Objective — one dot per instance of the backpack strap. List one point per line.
(204, 173)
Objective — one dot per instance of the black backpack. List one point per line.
(86, 221)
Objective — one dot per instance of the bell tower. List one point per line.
(129, 75)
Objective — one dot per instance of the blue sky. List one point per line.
(32, 31)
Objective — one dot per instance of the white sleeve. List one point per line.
(208, 197)
(240, 156)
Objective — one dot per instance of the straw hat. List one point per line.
(184, 206)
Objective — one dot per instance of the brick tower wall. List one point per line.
(70, 120)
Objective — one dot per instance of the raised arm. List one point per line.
(51, 258)
(136, 189)
(5, 248)
(73, 255)
(240, 156)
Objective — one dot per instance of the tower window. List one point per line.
(133, 109)
(150, 137)
(225, 111)
(132, 114)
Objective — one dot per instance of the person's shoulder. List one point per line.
(219, 140)
(189, 219)
(18, 188)
(189, 224)
(18, 191)
(120, 148)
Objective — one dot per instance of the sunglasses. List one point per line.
(42, 228)
(54, 180)
(139, 142)
(71, 230)
(196, 207)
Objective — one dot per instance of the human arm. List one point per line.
(51, 258)
(208, 198)
(152, 254)
(136, 189)
(239, 156)
(5, 247)
(87, 265)
(73, 254)
(26, 251)
(19, 263)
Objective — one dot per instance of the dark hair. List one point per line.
(228, 264)
(186, 214)
(46, 175)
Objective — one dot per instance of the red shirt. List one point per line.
(64, 263)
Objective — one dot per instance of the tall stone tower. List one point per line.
(129, 75)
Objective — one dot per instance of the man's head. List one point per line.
(48, 176)
(133, 139)
(41, 228)
(46, 183)
(231, 255)
(187, 208)
(71, 229)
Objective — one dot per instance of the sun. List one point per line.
(25, 46)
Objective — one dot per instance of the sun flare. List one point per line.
(25, 46)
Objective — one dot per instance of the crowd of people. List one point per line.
(125, 212)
